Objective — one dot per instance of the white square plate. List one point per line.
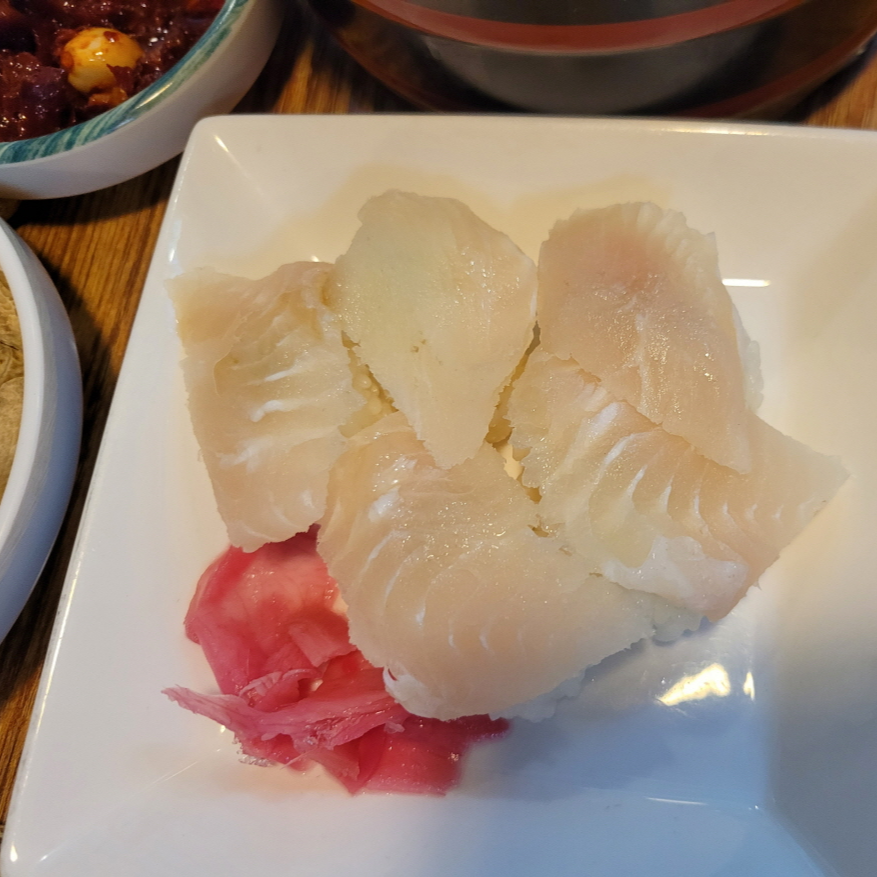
(764, 762)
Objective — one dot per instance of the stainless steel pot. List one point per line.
(705, 57)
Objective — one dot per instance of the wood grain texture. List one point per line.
(87, 245)
(849, 100)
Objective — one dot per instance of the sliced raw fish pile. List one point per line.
(294, 691)
(636, 298)
(642, 506)
(442, 307)
(270, 390)
(637, 491)
(449, 587)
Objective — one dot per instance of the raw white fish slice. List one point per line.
(635, 297)
(270, 390)
(450, 589)
(442, 308)
(643, 507)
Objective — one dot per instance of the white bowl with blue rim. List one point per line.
(36, 495)
(153, 125)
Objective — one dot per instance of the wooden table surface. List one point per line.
(86, 242)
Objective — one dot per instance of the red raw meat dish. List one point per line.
(295, 691)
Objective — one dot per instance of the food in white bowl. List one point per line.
(11, 381)
(144, 130)
(639, 491)
(44, 464)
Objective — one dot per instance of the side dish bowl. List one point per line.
(36, 495)
(153, 125)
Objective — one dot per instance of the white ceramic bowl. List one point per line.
(36, 495)
(153, 125)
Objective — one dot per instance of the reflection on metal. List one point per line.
(712, 681)
(678, 801)
(749, 686)
(745, 281)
